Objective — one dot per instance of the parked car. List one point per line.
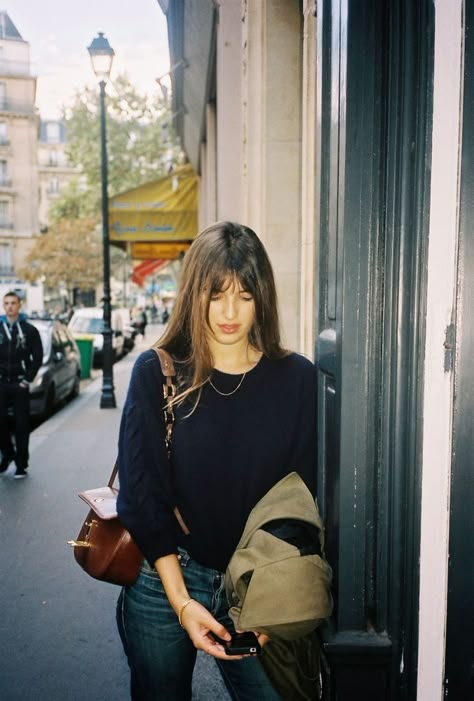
(90, 320)
(60, 374)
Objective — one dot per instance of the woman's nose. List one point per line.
(230, 308)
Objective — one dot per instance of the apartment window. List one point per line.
(5, 214)
(3, 95)
(52, 132)
(3, 133)
(53, 186)
(6, 261)
(4, 173)
(53, 158)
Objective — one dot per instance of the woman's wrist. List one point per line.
(171, 576)
(188, 601)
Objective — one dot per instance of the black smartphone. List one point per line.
(242, 644)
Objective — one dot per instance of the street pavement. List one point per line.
(58, 639)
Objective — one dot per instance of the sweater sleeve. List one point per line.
(305, 452)
(145, 502)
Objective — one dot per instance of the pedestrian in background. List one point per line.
(245, 417)
(21, 356)
(140, 320)
(143, 322)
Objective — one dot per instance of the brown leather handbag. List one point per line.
(104, 548)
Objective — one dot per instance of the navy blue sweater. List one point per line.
(224, 457)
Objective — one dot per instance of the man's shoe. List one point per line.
(5, 462)
(20, 473)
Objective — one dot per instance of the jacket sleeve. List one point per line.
(145, 502)
(35, 353)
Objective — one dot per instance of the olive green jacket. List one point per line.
(274, 586)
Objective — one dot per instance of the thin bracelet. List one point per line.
(180, 614)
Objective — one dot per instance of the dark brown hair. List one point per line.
(12, 293)
(223, 250)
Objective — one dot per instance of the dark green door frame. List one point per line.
(459, 672)
(375, 61)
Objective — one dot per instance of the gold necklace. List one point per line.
(227, 394)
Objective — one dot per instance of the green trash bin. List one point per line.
(85, 343)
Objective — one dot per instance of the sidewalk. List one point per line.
(58, 640)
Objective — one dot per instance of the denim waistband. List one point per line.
(187, 560)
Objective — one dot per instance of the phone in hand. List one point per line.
(242, 644)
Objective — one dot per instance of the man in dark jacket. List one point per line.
(21, 356)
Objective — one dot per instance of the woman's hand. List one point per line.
(201, 626)
(262, 638)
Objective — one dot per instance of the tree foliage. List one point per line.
(70, 254)
(140, 148)
(140, 145)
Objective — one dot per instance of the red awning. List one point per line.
(145, 269)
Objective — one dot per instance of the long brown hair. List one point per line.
(223, 250)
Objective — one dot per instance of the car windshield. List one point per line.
(46, 337)
(84, 324)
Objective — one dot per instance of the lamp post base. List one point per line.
(107, 398)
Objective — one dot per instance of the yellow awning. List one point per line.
(158, 250)
(162, 210)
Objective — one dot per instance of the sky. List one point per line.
(59, 32)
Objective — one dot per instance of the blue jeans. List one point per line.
(160, 653)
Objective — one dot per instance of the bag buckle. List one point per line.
(83, 543)
(79, 544)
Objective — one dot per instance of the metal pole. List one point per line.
(107, 399)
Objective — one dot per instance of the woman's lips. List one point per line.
(229, 328)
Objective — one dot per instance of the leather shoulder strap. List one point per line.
(166, 361)
(169, 391)
(113, 475)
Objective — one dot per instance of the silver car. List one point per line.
(60, 374)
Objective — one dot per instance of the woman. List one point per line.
(245, 417)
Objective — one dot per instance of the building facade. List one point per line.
(18, 151)
(339, 131)
(54, 171)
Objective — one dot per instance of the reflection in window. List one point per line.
(87, 325)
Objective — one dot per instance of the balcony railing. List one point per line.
(6, 269)
(6, 224)
(5, 182)
(4, 142)
(19, 106)
(15, 67)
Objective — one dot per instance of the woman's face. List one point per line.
(231, 314)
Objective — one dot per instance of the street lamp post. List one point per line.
(102, 55)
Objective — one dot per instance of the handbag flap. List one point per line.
(102, 500)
